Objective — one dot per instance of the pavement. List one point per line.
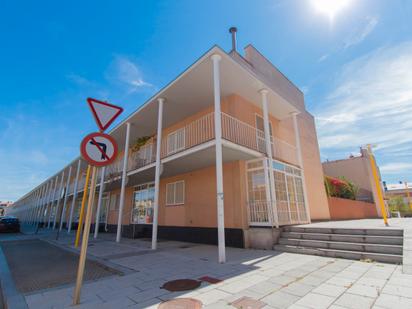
(276, 280)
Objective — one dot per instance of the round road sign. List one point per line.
(98, 149)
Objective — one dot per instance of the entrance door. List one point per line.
(142, 212)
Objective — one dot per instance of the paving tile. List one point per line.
(280, 299)
(372, 282)
(282, 279)
(340, 281)
(248, 302)
(265, 287)
(397, 290)
(393, 301)
(354, 301)
(212, 296)
(329, 290)
(315, 301)
(297, 289)
(312, 280)
(364, 290)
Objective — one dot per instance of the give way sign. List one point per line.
(99, 149)
(104, 113)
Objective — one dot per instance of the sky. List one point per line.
(355, 69)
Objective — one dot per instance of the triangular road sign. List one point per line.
(104, 113)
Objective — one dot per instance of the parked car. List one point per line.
(9, 224)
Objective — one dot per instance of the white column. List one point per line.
(268, 143)
(35, 206)
(300, 161)
(99, 202)
(66, 195)
(76, 181)
(59, 196)
(123, 186)
(52, 197)
(44, 202)
(157, 173)
(219, 164)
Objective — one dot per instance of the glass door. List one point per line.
(143, 198)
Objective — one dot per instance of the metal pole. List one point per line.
(219, 162)
(83, 250)
(99, 202)
(378, 185)
(123, 186)
(66, 195)
(79, 227)
(157, 174)
(74, 196)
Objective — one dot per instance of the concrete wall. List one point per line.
(343, 209)
(199, 208)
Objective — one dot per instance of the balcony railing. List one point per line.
(201, 131)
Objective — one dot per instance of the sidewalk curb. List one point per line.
(12, 298)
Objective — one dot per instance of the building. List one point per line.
(4, 206)
(229, 146)
(404, 190)
(356, 169)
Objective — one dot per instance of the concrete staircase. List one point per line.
(381, 245)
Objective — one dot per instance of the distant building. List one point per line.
(3, 206)
(356, 169)
(403, 190)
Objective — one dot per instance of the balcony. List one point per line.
(201, 131)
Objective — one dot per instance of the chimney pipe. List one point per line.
(233, 31)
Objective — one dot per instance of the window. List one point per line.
(175, 193)
(114, 201)
(176, 141)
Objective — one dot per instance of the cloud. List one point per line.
(371, 103)
(395, 168)
(124, 72)
(79, 80)
(360, 34)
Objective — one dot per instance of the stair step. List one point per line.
(371, 239)
(348, 246)
(346, 231)
(353, 255)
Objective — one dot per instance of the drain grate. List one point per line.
(181, 285)
(181, 303)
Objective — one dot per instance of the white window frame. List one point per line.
(175, 148)
(173, 185)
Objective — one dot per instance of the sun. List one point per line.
(330, 7)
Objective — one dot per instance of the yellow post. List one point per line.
(407, 194)
(85, 240)
(79, 227)
(378, 185)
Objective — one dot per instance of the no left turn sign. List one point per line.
(98, 149)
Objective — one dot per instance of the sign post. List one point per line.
(98, 149)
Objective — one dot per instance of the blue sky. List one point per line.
(355, 71)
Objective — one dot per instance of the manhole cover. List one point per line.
(181, 303)
(181, 285)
